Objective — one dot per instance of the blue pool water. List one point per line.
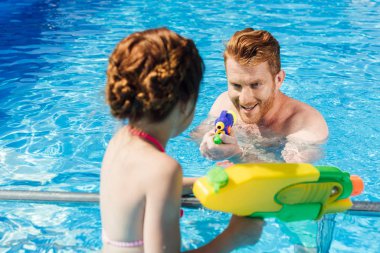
(54, 124)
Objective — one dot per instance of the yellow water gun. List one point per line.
(289, 192)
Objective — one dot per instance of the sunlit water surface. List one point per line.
(55, 125)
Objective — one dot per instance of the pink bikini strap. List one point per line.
(119, 244)
(146, 137)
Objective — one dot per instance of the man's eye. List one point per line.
(255, 85)
(236, 86)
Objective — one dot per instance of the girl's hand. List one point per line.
(244, 230)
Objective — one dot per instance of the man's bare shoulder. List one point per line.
(305, 123)
(223, 102)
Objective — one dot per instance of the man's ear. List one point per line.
(279, 79)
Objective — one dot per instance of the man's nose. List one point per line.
(246, 95)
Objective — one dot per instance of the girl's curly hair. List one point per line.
(149, 72)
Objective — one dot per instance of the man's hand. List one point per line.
(227, 149)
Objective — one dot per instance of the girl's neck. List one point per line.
(155, 130)
(146, 137)
(165, 129)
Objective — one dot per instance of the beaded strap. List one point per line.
(137, 243)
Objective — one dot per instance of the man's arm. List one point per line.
(223, 102)
(294, 152)
(306, 125)
(307, 132)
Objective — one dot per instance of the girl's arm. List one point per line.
(161, 222)
(187, 184)
(241, 231)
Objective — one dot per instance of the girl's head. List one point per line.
(151, 72)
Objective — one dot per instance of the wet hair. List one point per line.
(250, 47)
(149, 72)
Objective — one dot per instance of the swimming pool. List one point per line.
(55, 125)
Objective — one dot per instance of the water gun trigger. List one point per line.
(336, 202)
(229, 130)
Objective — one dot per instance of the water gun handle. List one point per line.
(217, 139)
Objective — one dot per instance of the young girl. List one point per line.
(153, 80)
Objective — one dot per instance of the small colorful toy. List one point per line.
(289, 192)
(223, 124)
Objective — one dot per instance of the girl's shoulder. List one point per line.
(163, 164)
(165, 176)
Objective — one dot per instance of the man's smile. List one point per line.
(248, 108)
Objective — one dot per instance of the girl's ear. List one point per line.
(279, 79)
(183, 107)
(187, 108)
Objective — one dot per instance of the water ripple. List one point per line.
(55, 125)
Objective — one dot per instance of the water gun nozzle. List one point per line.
(357, 185)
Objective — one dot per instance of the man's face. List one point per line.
(251, 89)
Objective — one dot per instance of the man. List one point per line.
(265, 115)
